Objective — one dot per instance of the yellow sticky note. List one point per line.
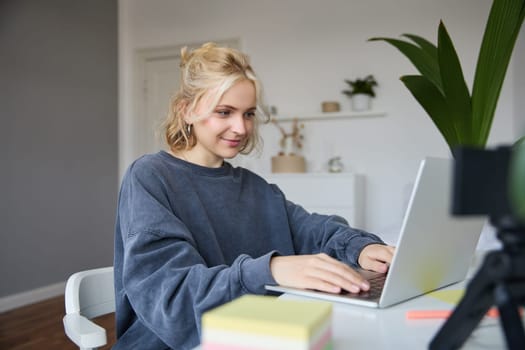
(452, 296)
(269, 315)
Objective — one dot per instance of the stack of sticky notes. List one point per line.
(254, 322)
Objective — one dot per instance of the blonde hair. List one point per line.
(208, 72)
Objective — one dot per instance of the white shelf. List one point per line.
(333, 116)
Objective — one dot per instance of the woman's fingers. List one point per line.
(376, 257)
(325, 273)
(318, 271)
(339, 274)
(336, 280)
(376, 266)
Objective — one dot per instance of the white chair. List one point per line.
(89, 294)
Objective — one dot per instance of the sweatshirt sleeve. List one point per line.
(330, 234)
(166, 280)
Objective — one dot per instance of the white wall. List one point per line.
(302, 51)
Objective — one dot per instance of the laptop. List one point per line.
(434, 248)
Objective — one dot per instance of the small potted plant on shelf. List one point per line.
(361, 92)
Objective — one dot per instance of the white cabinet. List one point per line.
(325, 193)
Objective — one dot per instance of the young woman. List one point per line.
(193, 232)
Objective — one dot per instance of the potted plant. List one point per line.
(361, 92)
(464, 119)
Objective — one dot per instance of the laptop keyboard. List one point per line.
(376, 288)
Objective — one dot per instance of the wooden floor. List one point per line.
(39, 326)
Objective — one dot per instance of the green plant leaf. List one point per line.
(503, 26)
(517, 179)
(470, 119)
(424, 62)
(455, 89)
(426, 45)
(434, 103)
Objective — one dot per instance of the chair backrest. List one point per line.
(88, 294)
(91, 293)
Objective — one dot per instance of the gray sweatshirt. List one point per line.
(190, 238)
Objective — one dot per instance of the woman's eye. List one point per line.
(249, 115)
(223, 113)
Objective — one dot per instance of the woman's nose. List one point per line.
(238, 125)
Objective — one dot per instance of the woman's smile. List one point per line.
(231, 142)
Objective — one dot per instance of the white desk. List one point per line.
(356, 327)
(361, 328)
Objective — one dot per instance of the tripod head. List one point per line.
(481, 187)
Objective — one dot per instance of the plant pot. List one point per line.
(361, 102)
(288, 164)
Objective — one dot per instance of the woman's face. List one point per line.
(224, 133)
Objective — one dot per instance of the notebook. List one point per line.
(434, 248)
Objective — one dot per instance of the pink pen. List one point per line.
(428, 314)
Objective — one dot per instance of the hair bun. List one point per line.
(184, 56)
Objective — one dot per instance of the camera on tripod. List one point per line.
(481, 186)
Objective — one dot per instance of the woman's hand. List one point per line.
(319, 271)
(376, 257)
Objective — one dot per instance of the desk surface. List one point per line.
(358, 327)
